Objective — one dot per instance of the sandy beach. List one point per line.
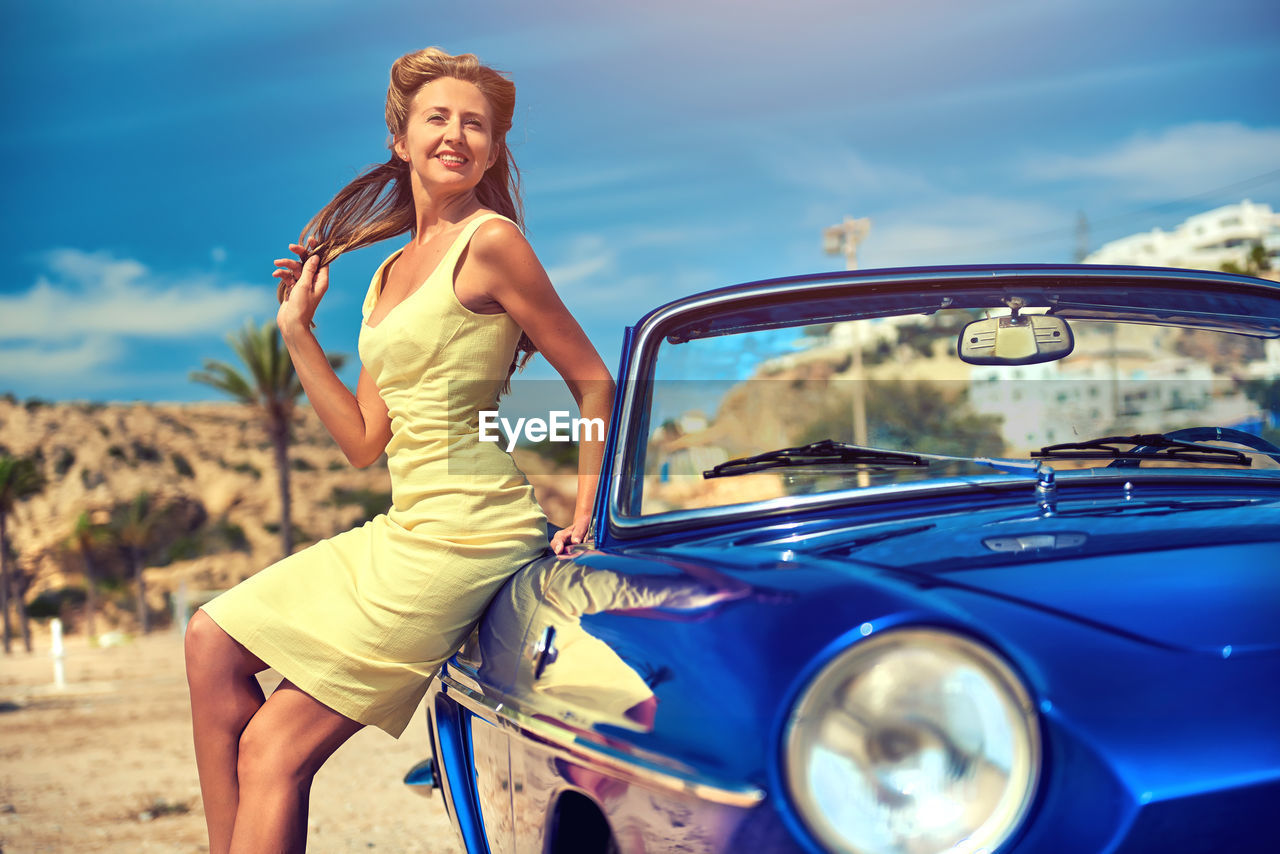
(106, 763)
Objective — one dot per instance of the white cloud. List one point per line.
(844, 174)
(923, 218)
(591, 277)
(1178, 161)
(591, 262)
(84, 294)
(589, 256)
(968, 229)
(40, 363)
(546, 181)
(597, 271)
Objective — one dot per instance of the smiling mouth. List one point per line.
(451, 159)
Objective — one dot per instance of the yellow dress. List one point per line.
(361, 621)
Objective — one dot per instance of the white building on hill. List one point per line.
(1203, 242)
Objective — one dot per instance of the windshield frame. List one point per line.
(791, 301)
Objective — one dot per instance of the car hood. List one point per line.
(1152, 605)
(1200, 574)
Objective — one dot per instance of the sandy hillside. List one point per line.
(210, 477)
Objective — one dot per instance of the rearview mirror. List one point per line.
(1015, 340)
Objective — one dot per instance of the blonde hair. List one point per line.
(378, 204)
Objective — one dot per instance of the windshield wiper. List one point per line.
(824, 453)
(1143, 446)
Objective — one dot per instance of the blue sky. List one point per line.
(157, 156)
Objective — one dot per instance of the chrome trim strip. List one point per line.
(650, 770)
(462, 676)
(841, 498)
(952, 486)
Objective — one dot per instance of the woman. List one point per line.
(357, 624)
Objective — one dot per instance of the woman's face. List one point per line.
(448, 139)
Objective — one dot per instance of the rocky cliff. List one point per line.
(212, 497)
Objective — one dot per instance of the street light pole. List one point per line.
(843, 239)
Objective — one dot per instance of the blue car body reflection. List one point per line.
(1031, 641)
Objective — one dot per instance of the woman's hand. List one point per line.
(291, 270)
(302, 286)
(572, 535)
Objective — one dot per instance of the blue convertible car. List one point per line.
(939, 560)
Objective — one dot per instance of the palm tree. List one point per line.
(1259, 260)
(273, 389)
(1256, 261)
(20, 478)
(84, 537)
(21, 582)
(133, 527)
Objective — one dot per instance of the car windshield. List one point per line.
(895, 382)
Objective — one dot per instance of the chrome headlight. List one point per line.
(914, 741)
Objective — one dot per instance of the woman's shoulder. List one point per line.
(497, 238)
(493, 224)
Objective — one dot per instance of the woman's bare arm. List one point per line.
(501, 264)
(358, 422)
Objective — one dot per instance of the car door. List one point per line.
(490, 678)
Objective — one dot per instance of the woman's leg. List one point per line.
(224, 695)
(281, 750)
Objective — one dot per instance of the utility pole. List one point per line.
(843, 239)
(1082, 237)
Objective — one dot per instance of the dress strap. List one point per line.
(449, 263)
(446, 267)
(377, 282)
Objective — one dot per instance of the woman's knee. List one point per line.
(287, 741)
(210, 650)
(266, 758)
(200, 641)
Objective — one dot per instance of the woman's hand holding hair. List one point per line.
(302, 286)
(358, 422)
